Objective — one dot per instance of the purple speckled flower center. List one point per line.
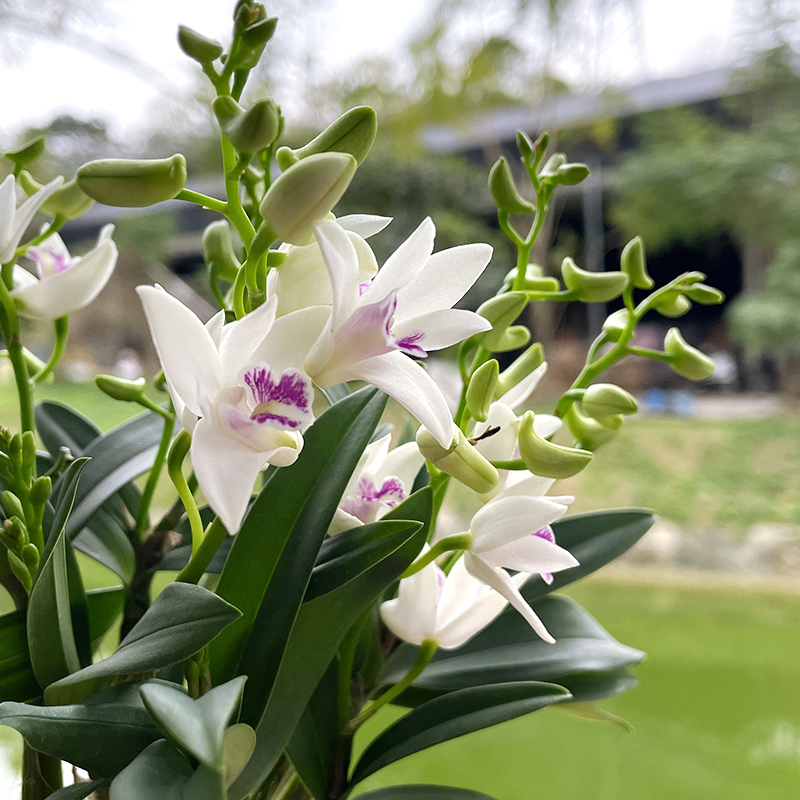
(369, 497)
(546, 533)
(409, 344)
(282, 402)
(49, 261)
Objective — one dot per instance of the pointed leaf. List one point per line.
(160, 770)
(105, 608)
(454, 715)
(17, 680)
(181, 620)
(106, 541)
(205, 784)
(420, 791)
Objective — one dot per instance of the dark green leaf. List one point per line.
(317, 634)
(160, 771)
(77, 791)
(67, 492)
(105, 608)
(101, 735)
(595, 539)
(273, 554)
(106, 541)
(454, 715)
(182, 619)
(420, 791)
(17, 681)
(205, 784)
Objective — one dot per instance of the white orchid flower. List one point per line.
(65, 284)
(237, 388)
(302, 279)
(14, 221)
(513, 531)
(406, 309)
(448, 609)
(382, 480)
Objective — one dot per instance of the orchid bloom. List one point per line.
(237, 388)
(14, 221)
(448, 609)
(65, 284)
(513, 531)
(382, 480)
(406, 309)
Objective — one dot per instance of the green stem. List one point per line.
(233, 205)
(61, 326)
(202, 555)
(53, 227)
(180, 447)
(9, 327)
(516, 463)
(646, 352)
(456, 541)
(155, 474)
(203, 200)
(41, 774)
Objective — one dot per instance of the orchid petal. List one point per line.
(412, 614)
(531, 553)
(239, 340)
(292, 337)
(214, 327)
(522, 391)
(8, 206)
(499, 446)
(365, 225)
(342, 521)
(403, 462)
(529, 485)
(23, 217)
(546, 425)
(441, 328)
(342, 263)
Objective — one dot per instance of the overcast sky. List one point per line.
(41, 78)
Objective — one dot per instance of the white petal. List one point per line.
(508, 518)
(23, 278)
(185, 349)
(546, 425)
(412, 614)
(240, 339)
(528, 485)
(443, 281)
(441, 328)
(403, 462)
(531, 553)
(290, 339)
(8, 205)
(365, 225)
(301, 280)
(404, 264)
(522, 391)
(342, 263)
(342, 521)
(501, 445)
(214, 327)
(375, 453)
(23, 217)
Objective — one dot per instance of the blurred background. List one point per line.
(688, 114)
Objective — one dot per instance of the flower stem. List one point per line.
(155, 473)
(456, 541)
(61, 326)
(201, 557)
(180, 447)
(9, 327)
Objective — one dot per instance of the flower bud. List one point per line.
(525, 147)
(16, 530)
(615, 324)
(571, 174)
(27, 153)
(30, 555)
(605, 399)
(501, 311)
(520, 368)
(11, 505)
(41, 490)
(589, 433)
(29, 450)
(20, 570)
(481, 389)
(705, 295)
(251, 130)
(218, 250)
(197, 46)
(306, 193)
(634, 265)
(553, 164)
(515, 337)
(673, 305)
(285, 157)
(535, 280)
(685, 359)
(121, 389)
(546, 459)
(461, 460)
(504, 189)
(613, 422)
(133, 183)
(353, 133)
(68, 201)
(592, 287)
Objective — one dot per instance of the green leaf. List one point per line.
(240, 741)
(454, 715)
(420, 791)
(197, 726)
(318, 631)
(17, 679)
(105, 608)
(104, 539)
(160, 770)
(77, 791)
(205, 784)
(508, 650)
(595, 539)
(101, 735)
(273, 554)
(181, 620)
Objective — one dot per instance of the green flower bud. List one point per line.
(553, 164)
(285, 157)
(589, 433)
(613, 422)
(615, 324)
(520, 368)
(17, 531)
(515, 337)
(69, 201)
(592, 287)
(218, 250)
(604, 399)
(251, 130)
(30, 555)
(29, 449)
(685, 359)
(461, 460)
(121, 389)
(306, 193)
(545, 458)
(535, 280)
(197, 46)
(160, 382)
(353, 133)
(11, 505)
(133, 183)
(525, 147)
(15, 448)
(501, 311)
(20, 570)
(27, 153)
(634, 265)
(41, 490)
(481, 389)
(570, 174)
(673, 305)
(705, 295)
(504, 190)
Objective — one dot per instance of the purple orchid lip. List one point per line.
(283, 402)
(408, 344)
(368, 496)
(547, 534)
(49, 261)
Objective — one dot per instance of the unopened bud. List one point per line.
(16, 530)
(634, 265)
(160, 382)
(11, 504)
(515, 337)
(546, 459)
(41, 490)
(20, 570)
(461, 460)
(133, 183)
(570, 174)
(592, 287)
(501, 311)
(535, 280)
(553, 164)
(306, 193)
(29, 449)
(353, 133)
(121, 389)
(604, 399)
(68, 201)
(685, 359)
(30, 555)
(251, 130)
(705, 295)
(197, 46)
(520, 368)
(615, 324)
(218, 250)
(27, 153)
(525, 147)
(589, 433)
(15, 448)
(673, 305)
(481, 389)
(504, 190)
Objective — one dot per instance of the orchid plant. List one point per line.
(310, 580)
